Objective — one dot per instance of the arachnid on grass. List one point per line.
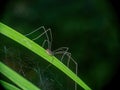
(60, 51)
(37, 49)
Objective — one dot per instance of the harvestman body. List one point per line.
(63, 50)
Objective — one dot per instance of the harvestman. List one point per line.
(62, 50)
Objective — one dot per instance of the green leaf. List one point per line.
(8, 86)
(16, 78)
(37, 49)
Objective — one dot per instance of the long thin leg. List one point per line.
(49, 39)
(21, 65)
(35, 30)
(21, 68)
(64, 53)
(46, 33)
(40, 35)
(69, 55)
(61, 49)
(39, 74)
(75, 71)
(69, 58)
(43, 44)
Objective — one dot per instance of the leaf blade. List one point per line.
(7, 31)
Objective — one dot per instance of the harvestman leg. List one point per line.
(69, 58)
(63, 50)
(48, 41)
(20, 65)
(45, 32)
(42, 27)
(39, 74)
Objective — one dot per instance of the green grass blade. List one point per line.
(8, 86)
(16, 78)
(21, 39)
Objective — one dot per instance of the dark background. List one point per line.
(89, 28)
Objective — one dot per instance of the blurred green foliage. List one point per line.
(87, 27)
